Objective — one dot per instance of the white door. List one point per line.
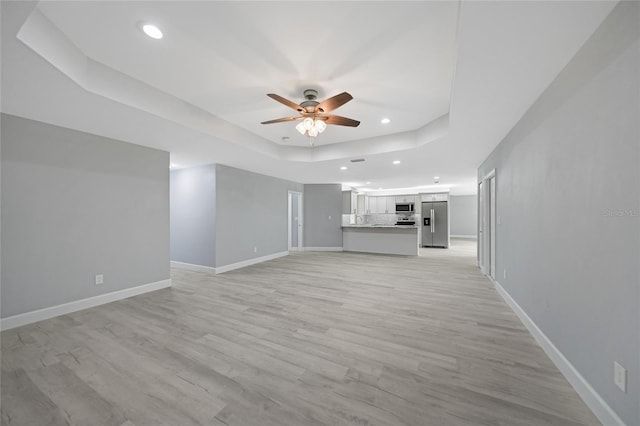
(295, 221)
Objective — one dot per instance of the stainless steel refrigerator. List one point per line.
(435, 224)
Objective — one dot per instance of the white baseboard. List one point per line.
(78, 305)
(323, 249)
(475, 237)
(600, 408)
(238, 265)
(193, 267)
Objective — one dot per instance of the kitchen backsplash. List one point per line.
(372, 219)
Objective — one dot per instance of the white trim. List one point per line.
(238, 265)
(598, 406)
(323, 249)
(78, 305)
(474, 236)
(492, 173)
(193, 267)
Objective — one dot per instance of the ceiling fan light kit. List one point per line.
(314, 114)
(313, 127)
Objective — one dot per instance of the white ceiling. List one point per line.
(453, 77)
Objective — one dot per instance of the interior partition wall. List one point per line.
(569, 236)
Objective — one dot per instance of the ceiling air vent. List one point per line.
(357, 160)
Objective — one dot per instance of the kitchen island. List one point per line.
(384, 239)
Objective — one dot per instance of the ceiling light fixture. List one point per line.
(343, 168)
(396, 162)
(152, 31)
(385, 121)
(311, 126)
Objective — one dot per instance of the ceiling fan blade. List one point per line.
(333, 102)
(341, 121)
(282, 120)
(286, 102)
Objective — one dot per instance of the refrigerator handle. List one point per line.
(433, 221)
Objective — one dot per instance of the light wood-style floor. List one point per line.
(308, 339)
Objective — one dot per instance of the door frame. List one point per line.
(487, 213)
(300, 247)
(480, 249)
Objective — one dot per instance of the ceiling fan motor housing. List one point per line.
(310, 94)
(310, 104)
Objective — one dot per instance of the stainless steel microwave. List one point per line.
(405, 207)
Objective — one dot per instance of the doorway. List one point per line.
(487, 214)
(295, 221)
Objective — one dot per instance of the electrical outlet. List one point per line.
(620, 376)
(99, 279)
(504, 274)
(255, 249)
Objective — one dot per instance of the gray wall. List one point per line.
(76, 205)
(251, 212)
(322, 215)
(193, 213)
(463, 212)
(567, 183)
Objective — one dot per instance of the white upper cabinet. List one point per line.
(382, 205)
(391, 204)
(349, 202)
(361, 208)
(435, 197)
(373, 204)
(405, 198)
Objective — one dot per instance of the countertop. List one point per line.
(381, 226)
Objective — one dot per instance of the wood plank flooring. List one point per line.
(309, 339)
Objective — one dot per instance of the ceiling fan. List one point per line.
(313, 114)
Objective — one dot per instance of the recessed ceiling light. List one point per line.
(436, 177)
(368, 183)
(343, 168)
(396, 162)
(385, 121)
(152, 31)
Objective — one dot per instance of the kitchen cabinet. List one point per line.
(373, 205)
(435, 197)
(364, 204)
(391, 204)
(405, 198)
(382, 205)
(349, 202)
